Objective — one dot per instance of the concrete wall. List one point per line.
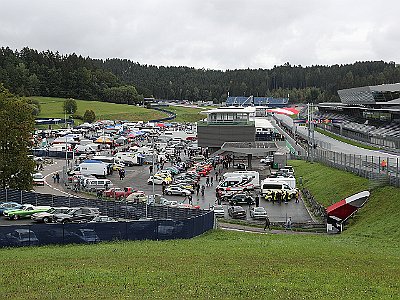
(215, 136)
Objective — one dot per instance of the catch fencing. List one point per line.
(139, 222)
(379, 170)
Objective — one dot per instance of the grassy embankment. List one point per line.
(186, 114)
(361, 263)
(53, 108)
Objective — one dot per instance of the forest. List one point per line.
(28, 72)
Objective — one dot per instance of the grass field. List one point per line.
(361, 263)
(344, 140)
(53, 108)
(187, 114)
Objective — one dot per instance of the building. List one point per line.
(226, 124)
(269, 102)
(378, 104)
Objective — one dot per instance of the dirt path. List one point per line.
(250, 229)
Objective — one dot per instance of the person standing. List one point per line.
(151, 169)
(58, 177)
(267, 223)
(197, 189)
(202, 190)
(288, 224)
(211, 180)
(258, 200)
(207, 181)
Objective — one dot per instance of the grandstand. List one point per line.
(370, 114)
(269, 102)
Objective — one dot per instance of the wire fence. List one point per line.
(139, 222)
(379, 170)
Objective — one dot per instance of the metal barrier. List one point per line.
(140, 222)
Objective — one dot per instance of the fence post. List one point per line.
(372, 164)
(21, 196)
(6, 195)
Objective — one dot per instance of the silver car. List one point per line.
(258, 213)
(219, 211)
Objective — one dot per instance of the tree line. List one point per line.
(29, 72)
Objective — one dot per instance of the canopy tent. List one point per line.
(104, 140)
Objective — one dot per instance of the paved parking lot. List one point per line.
(137, 176)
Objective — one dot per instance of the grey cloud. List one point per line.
(210, 33)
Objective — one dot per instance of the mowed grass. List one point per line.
(219, 265)
(379, 218)
(187, 114)
(361, 263)
(53, 108)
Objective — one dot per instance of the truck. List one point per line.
(90, 167)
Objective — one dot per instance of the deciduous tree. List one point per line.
(17, 125)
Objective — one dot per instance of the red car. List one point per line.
(118, 192)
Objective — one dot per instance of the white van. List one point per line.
(290, 181)
(268, 186)
(93, 184)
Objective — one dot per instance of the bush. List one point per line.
(89, 116)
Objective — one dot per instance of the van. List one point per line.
(94, 184)
(268, 186)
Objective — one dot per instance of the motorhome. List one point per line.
(90, 167)
(130, 159)
(94, 184)
(290, 181)
(255, 176)
(85, 149)
(237, 183)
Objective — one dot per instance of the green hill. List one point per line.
(361, 263)
(53, 108)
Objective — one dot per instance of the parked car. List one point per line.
(219, 211)
(77, 214)
(47, 216)
(159, 180)
(185, 186)
(22, 237)
(103, 219)
(87, 235)
(237, 212)
(9, 205)
(118, 192)
(25, 212)
(258, 212)
(176, 190)
(38, 179)
(138, 196)
(241, 198)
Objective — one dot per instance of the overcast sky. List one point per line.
(214, 34)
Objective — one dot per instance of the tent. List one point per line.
(104, 140)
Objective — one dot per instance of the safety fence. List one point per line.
(136, 221)
(379, 170)
(315, 207)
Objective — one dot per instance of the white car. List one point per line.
(176, 190)
(158, 180)
(219, 211)
(258, 212)
(38, 179)
(170, 203)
